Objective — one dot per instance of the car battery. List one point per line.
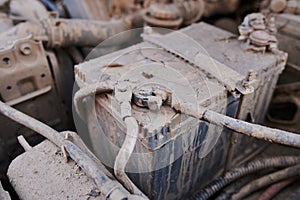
(176, 154)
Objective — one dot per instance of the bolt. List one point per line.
(25, 49)
(251, 75)
(246, 84)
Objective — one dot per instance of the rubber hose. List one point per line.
(267, 180)
(254, 166)
(274, 189)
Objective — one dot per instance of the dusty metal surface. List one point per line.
(42, 172)
(147, 60)
(25, 73)
(27, 84)
(238, 84)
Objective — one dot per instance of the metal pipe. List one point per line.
(108, 187)
(123, 94)
(267, 180)
(32, 124)
(125, 153)
(72, 32)
(253, 130)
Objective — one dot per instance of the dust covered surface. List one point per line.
(42, 173)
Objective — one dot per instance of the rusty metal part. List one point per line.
(173, 15)
(123, 94)
(253, 130)
(259, 34)
(267, 180)
(191, 11)
(24, 71)
(275, 189)
(252, 22)
(163, 15)
(164, 11)
(260, 38)
(151, 97)
(31, 87)
(251, 167)
(72, 32)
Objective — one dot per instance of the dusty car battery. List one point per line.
(176, 154)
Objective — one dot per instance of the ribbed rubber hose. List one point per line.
(248, 168)
(266, 180)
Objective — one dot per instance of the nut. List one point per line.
(25, 49)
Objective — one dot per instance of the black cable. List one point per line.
(248, 168)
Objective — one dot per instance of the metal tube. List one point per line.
(106, 186)
(125, 153)
(253, 130)
(72, 32)
(32, 124)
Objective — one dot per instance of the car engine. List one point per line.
(149, 99)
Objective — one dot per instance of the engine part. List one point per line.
(192, 54)
(252, 167)
(27, 83)
(54, 177)
(63, 32)
(284, 110)
(78, 152)
(259, 33)
(175, 14)
(274, 189)
(267, 180)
